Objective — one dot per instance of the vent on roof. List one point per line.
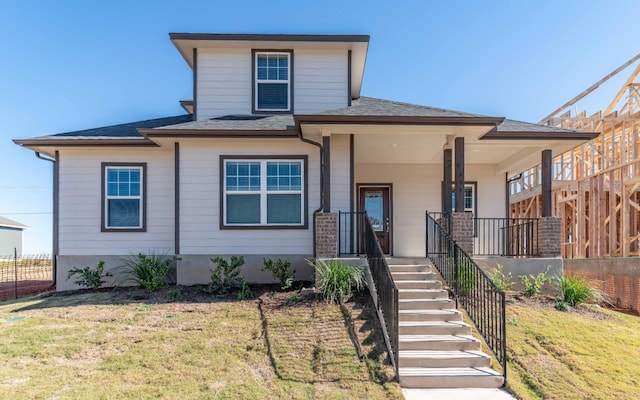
(239, 117)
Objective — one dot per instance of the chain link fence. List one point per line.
(26, 274)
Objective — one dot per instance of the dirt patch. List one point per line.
(549, 303)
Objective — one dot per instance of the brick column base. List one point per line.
(549, 237)
(326, 235)
(462, 230)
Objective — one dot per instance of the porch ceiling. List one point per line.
(409, 146)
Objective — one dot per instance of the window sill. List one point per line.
(116, 230)
(263, 227)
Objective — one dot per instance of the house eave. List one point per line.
(396, 120)
(549, 135)
(209, 133)
(75, 142)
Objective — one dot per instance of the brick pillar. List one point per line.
(326, 235)
(462, 230)
(549, 237)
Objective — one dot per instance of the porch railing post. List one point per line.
(456, 272)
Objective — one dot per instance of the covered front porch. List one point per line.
(398, 178)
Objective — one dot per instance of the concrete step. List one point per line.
(422, 294)
(438, 342)
(418, 284)
(443, 359)
(433, 328)
(410, 268)
(413, 276)
(450, 378)
(407, 261)
(425, 304)
(430, 315)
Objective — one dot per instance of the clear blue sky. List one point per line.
(69, 65)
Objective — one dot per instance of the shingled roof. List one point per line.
(237, 122)
(121, 131)
(369, 106)
(361, 111)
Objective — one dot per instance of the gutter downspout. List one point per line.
(54, 255)
(311, 142)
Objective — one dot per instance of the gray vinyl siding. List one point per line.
(10, 238)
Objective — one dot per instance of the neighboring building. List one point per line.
(11, 239)
(277, 138)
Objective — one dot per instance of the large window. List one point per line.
(263, 192)
(272, 89)
(123, 189)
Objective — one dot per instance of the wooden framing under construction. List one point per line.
(596, 186)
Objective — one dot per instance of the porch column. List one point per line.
(326, 235)
(446, 178)
(462, 230)
(461, 221)
(459, 146)
(547, 177)
(326, 172)
(549, 239)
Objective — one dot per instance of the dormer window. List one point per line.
(272, 86)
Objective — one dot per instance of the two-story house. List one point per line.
(276, 140)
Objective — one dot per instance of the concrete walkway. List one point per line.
(456, 394)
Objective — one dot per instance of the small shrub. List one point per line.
(89, 277)
(563, 306)
(173, 295)
(576, 290)
(245, 291)
(533, 284)
(294, 298)
(466, 278)
(336, 279)
(281, 271)
(502, 281)
(225, 276)
(149, 270)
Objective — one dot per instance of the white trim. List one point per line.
(257, 81)
(139, 197)
(473, 197)
(263, 192)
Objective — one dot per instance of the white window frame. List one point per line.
(471, 186)
(141, 167)
(281, 82)
(263, 192)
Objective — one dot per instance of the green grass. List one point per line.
(589, 353)
(108, 345)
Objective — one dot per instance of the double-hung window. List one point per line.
(263, 192)
(123, 196)
(272, 81)
(469, 197)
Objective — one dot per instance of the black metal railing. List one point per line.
(472, 288)
(513, 237)
(351, 233)
(386, 289)
(442, 218)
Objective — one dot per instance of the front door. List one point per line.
(375, 200)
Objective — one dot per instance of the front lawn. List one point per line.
(588, 353)
(180, 344)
